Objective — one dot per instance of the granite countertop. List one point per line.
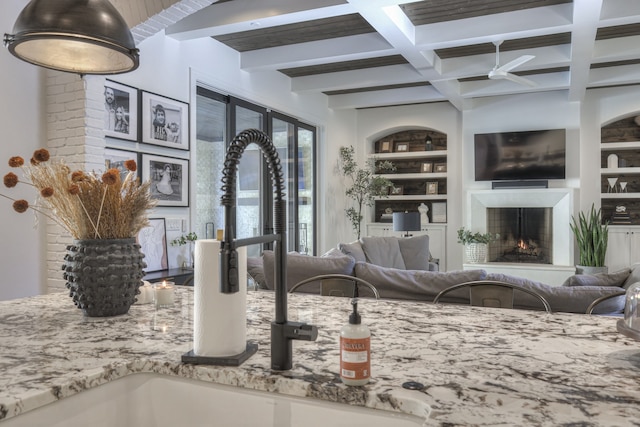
(479, 366)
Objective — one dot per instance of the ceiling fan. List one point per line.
(503, 72)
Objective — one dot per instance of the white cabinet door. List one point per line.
(619, 248)
(634, 247)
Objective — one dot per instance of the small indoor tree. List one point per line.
(364, 185)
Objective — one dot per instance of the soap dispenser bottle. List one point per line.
(355, 350)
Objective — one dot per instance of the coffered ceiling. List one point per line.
(370, 53)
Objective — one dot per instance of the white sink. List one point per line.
(150, 400)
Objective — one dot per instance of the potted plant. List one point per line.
(475, 244)
(364, 186)
(104, 213)
(183, 240)
(592, 236)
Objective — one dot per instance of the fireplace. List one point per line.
(553, 248)
(525, 235)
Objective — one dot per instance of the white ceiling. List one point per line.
(454, 78)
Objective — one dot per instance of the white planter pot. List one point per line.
(476, 252)
(585, 269)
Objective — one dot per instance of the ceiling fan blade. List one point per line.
(520, 80)
(516, 63)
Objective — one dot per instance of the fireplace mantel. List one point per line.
(559, 199)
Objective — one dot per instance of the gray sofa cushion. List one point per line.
(569, 299)
(634, 277)
(354, 250)
(255, 269)
(383, 252)
(416, 284)
(601, 279)
(301, 267)
(415, 252)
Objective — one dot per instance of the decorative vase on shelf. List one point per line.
(103, 275)
(612, 184)
(476, 252)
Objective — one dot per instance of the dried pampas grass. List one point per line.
(87, 205)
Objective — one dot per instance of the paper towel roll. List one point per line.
(219, 320)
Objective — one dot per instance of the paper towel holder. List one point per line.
(283, 331)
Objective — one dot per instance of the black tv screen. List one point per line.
(515, 156)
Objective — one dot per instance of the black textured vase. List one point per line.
(103, 275)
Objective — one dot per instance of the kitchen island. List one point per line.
(479, 366)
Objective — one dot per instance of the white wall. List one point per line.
(22, 122)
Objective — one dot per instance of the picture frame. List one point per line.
(120, 111)
(169, 178)
(385, 146)
(115, 158)
(165, 121)
(432, 187)
(439, 212)
(396, 190)
(427, 167)
(440, 167)
(153, 244)
(401, 147)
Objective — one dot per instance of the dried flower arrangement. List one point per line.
(87, 205)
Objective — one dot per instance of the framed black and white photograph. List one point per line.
(426, 167)
(401, 147)
(440, 167)
(169, 179)
(165, 121)
(115, 158)
(153, 244)
(432, 187)
(120, 111)
(385, 146)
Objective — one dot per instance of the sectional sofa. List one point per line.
(400, 269)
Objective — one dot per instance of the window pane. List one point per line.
(210, 151)
(283, 134)
(306, 190)
(248, 210)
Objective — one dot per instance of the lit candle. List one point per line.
(163, 294)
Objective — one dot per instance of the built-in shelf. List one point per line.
(620, 171)
(618, 146)
(420, 174)
(414, 197)
(620, 195)
(425, 175)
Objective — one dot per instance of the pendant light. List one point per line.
(77, 36)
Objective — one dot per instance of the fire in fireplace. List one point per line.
(525, 235)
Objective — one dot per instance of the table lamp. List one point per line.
(406, 221)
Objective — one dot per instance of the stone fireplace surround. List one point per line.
(561, 202)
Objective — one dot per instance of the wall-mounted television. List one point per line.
(517, 156)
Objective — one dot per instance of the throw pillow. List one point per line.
(354, 250)
(383, 251)
(600, 279)
(417, 284)
(301, 267)
(415, 252)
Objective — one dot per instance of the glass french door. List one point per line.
(219, 119)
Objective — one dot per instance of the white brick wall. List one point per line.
(75, 106)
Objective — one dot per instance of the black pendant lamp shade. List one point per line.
(77, 36)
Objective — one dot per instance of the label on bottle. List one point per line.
(355, 361)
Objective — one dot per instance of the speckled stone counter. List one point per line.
(480, 366)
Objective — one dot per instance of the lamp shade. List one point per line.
(78, 36)
(406, 221)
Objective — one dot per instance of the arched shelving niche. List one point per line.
(420, 158)
(620, 170)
